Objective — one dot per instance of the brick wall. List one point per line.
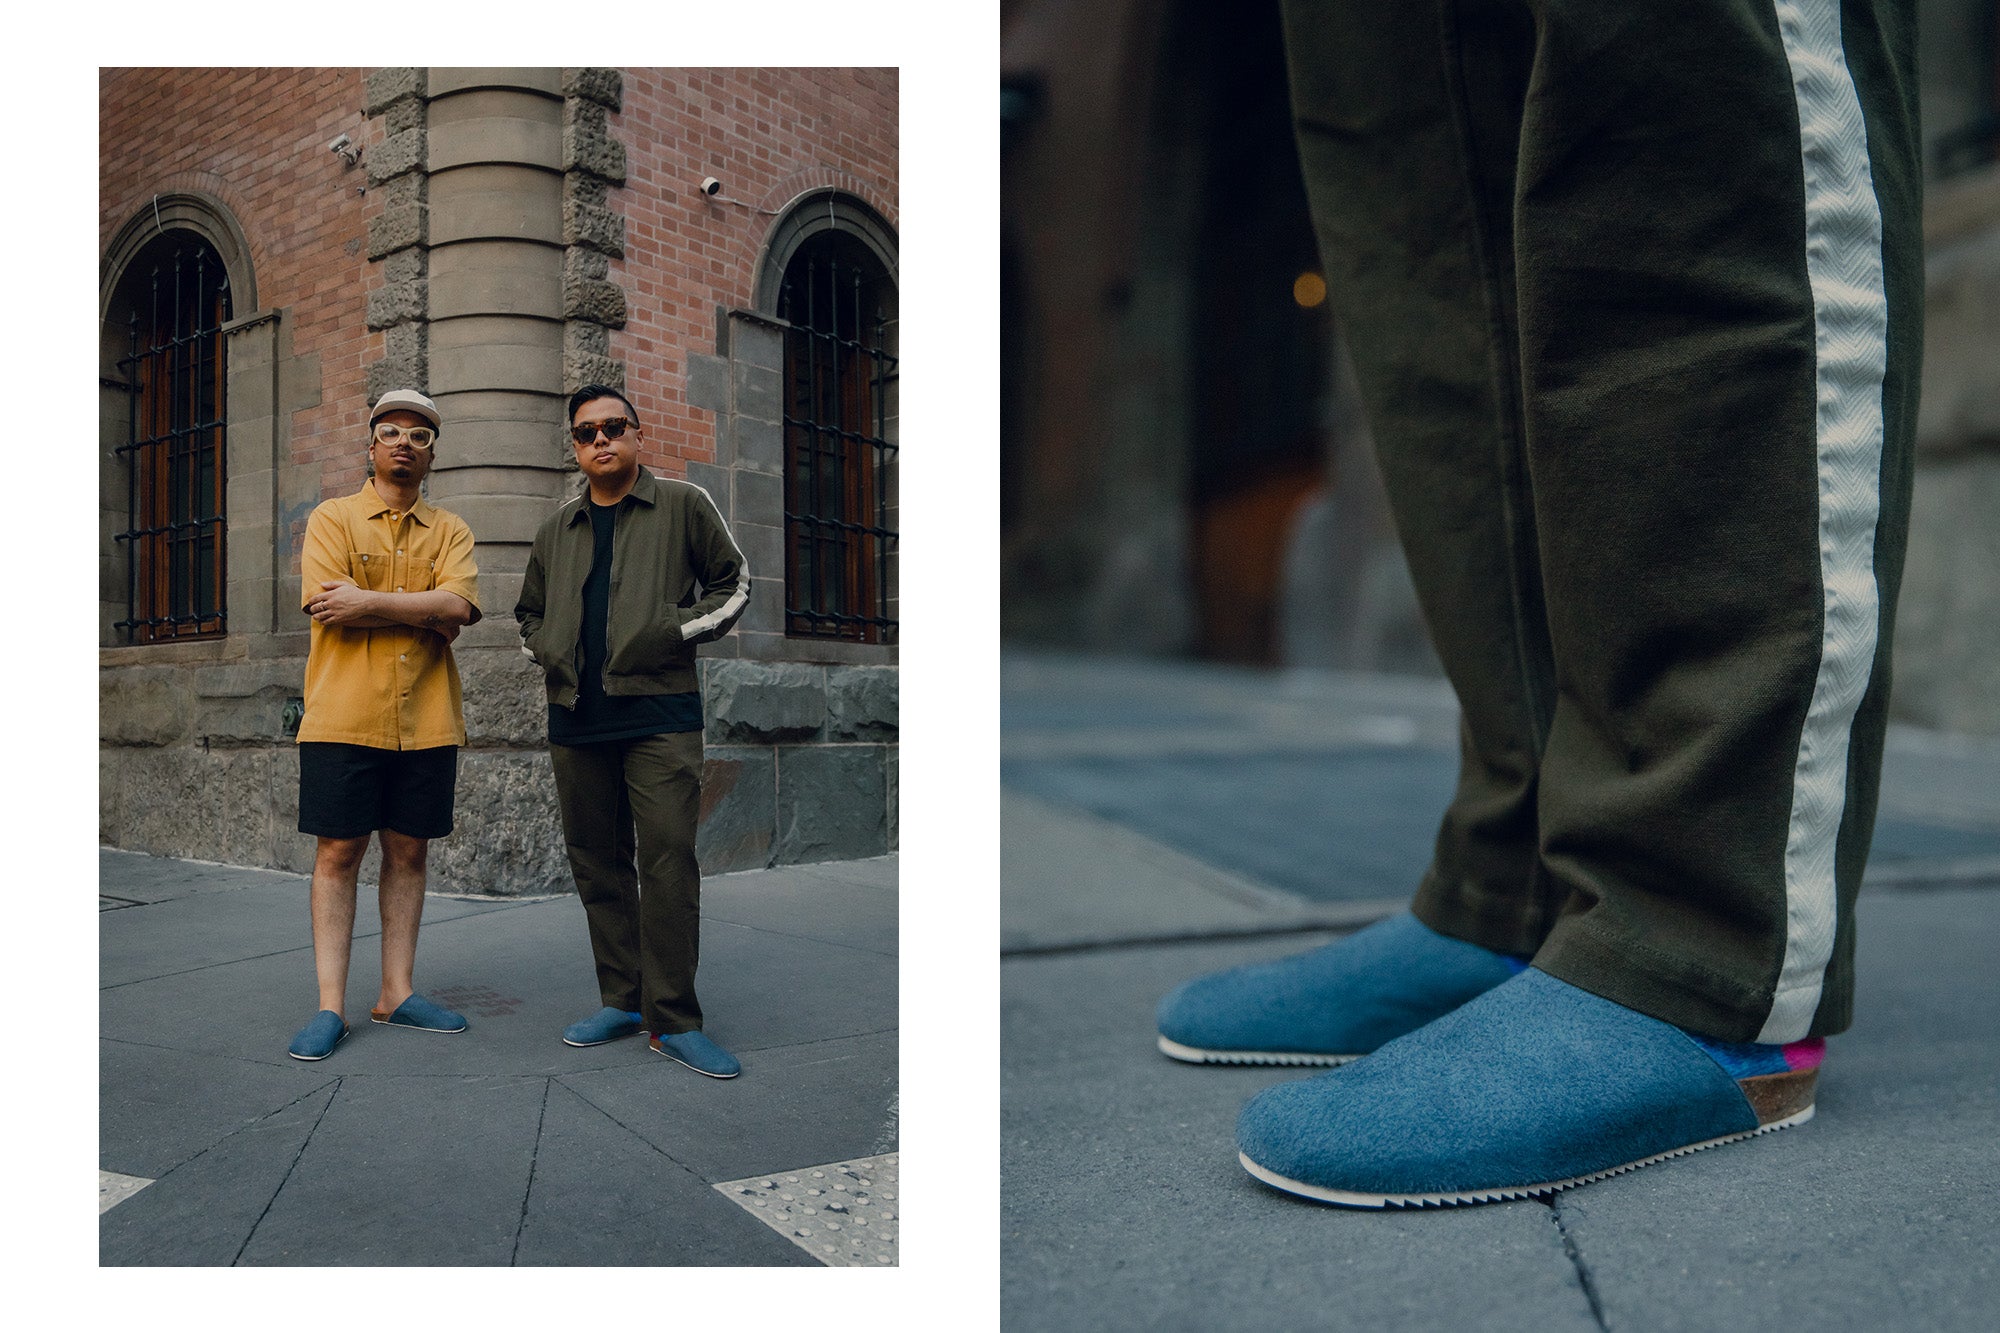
(194, 757)
(767, 137)
(256, 140)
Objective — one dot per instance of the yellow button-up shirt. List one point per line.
(395, 688)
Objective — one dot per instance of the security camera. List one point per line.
(339, 145)
(344, 146)
(710, 185)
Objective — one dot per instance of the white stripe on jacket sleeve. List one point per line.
(733, 607)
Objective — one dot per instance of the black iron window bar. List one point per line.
(840, 549)
(175, 536)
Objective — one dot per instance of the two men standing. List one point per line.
(624, 581)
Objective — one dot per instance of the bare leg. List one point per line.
(402, 901)
(335, 865)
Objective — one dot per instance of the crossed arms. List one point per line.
(341, 604)
(336, 601)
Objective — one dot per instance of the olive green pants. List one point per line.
(629, 810)
(1634, 292)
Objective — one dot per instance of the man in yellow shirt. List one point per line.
(389, 581)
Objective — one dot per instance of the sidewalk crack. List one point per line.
(795, 935)
(1583, 1275)
(248, 1125)
(534, 1160)
(271, 1202)
(633, 1132)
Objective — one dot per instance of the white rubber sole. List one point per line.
(1348, 1199)
(329, 1050)
(414, 1027)
(603, 1041)
(697, 1068)
(1195, 1055)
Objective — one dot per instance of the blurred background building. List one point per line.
(1185, 469)
(281, 246)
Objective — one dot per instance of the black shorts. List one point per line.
(350, 791)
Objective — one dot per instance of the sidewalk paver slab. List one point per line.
(204, 1210)
(203, 930)
(186, 934)
(792, 1107)
(144, 878)
(760, 989)
(603, 1195)
(1877, 1213)
(1123, 1206)
(158, 1107)
(408, 1171)
(1070, 879)
(811, 902)
(1347, 824)
(428, 1142)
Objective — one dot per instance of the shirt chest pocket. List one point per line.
(380, 571)
(418, 575)
(372, 570)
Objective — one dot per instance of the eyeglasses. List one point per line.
(613, 429)
(420, 437)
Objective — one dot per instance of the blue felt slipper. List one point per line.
(317, 1039)
(697, 1052)
(1531, 1088)
(424, 1015)
(1330, 1005)
(607, 1024)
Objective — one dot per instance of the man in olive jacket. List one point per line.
(623, 582)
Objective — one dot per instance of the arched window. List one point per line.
(172, 302)
(840, 455)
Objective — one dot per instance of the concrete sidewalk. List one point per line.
(499, 1145)
(1159, 821)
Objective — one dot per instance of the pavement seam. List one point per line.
(210, 967)
(789, 935)
(534, 1160)
(200, 1153)
(1575, 1254)
(272, 1201)
(823, 870)
(256, 1061)
(1375, 911)
(633, 1132)
(818, 1041)
(303, 948)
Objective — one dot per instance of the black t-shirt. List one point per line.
(612, 717)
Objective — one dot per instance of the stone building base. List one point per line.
(801, 767)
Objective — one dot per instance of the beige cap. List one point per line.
(405, 400)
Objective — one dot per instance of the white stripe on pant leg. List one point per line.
(1851, 324)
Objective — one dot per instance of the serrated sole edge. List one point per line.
(1497, 1194)
(1195, 1055)
(415, 1027)
(601, 1041)
(705, 1073)
(345, 1033)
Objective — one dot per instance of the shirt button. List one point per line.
(399, 551)
(402, 657)
(399, 587)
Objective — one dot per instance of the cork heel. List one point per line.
(1777, 1097)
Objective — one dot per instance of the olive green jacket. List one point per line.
(677, 580)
